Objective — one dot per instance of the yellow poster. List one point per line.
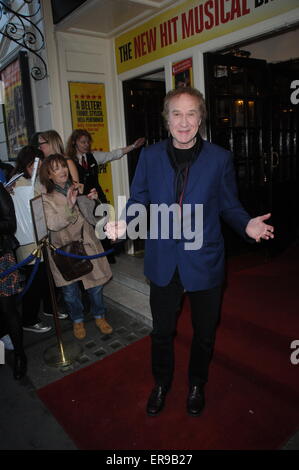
(88, 108)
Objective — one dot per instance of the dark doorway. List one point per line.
(251, 114)
(283, 160)
(143, 105)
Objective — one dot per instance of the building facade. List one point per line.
(242, 54)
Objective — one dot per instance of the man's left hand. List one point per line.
(258, 229)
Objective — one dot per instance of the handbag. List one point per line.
(69, 267)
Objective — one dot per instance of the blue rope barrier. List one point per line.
(31, 277)
(61, 252)
(17, 266)
(72, 255)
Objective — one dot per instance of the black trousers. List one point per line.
(11, 320)
(165, 305)
(38, 292)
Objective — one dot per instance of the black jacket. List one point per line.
(8, 223)
(89, 177)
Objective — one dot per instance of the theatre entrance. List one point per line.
(143, 104)
(252, 112)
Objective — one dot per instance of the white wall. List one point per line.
(87, 59)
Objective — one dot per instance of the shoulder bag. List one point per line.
(69, 267)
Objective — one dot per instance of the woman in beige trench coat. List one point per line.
(66, 223)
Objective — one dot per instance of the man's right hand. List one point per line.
(115, 230)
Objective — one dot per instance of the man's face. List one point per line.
(184, 120)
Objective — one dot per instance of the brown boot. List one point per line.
(79, 330)
(104, 327)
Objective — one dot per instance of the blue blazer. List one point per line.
(211, 182)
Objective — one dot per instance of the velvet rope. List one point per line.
(31, 277)
(17, 266)
(72, 255)
(61, 252)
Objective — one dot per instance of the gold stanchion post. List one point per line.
(59, 355)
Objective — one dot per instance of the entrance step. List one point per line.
(129, 289)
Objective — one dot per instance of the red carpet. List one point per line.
(253, 390)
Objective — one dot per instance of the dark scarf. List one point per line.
(64, 190)
(182, 166)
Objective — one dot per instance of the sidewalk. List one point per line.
(25, 423)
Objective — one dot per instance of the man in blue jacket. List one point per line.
(197, 178)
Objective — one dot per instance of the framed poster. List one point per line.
(18, 110)
(182, 73)
(88, 108)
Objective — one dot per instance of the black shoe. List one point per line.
(156, 400)
(20, 366)
(61, 315)
(38, 328)
(195, 400)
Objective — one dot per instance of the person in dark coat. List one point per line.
(10, 285)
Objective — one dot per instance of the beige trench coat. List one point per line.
(65, 225)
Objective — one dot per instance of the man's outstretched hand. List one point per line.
(115, 230)
(258, 229)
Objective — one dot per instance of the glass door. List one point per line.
(250, 113)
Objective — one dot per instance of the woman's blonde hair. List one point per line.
(54, 140)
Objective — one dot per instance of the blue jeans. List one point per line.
(73, 299)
